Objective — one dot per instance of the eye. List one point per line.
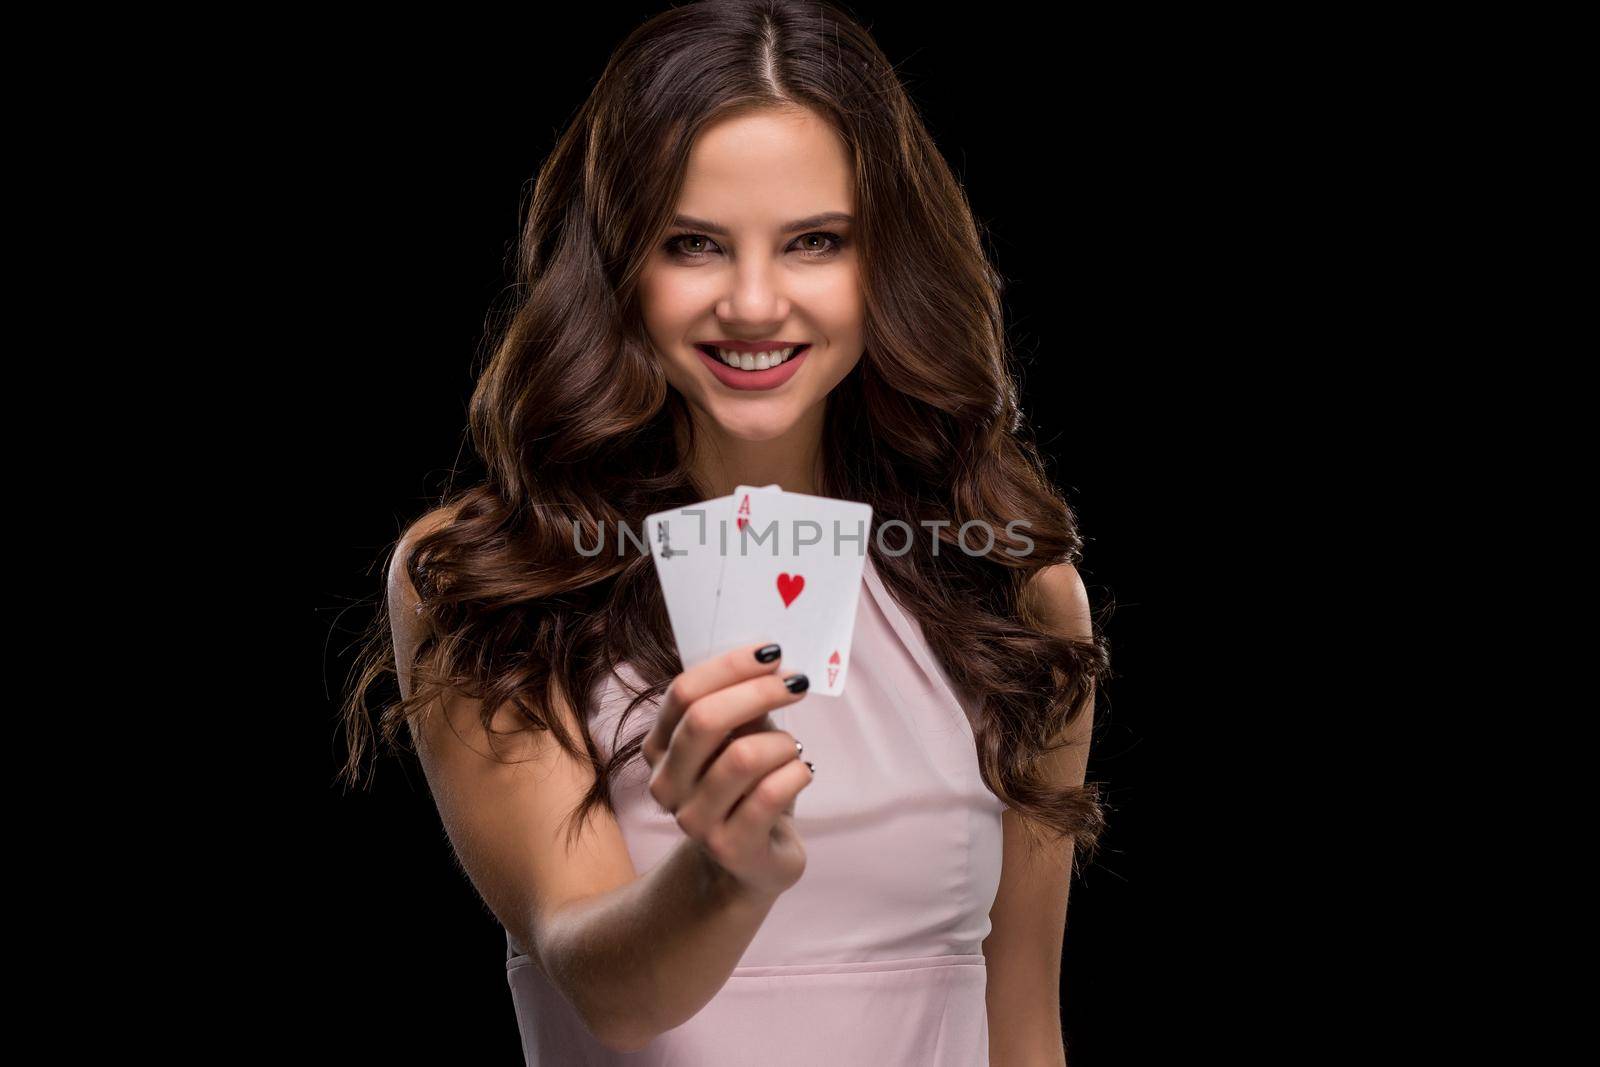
(826, 250)
(678, 245)
(674, 244)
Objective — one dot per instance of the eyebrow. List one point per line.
(827, 218)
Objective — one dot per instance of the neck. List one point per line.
(793, 461)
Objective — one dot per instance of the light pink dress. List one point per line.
(875, 956)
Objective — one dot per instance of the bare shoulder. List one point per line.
(407, 630)
(1057, 594)
(1060, 603)
(403, 599)
(399, 582)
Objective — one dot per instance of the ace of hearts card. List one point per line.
(792, 574)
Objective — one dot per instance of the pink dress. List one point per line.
(875, 956)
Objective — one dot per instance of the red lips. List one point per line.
(770, 378)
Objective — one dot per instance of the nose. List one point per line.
(755, 299)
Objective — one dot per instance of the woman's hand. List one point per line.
(726, 773)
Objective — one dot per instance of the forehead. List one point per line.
(758, 170)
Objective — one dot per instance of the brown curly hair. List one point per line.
(578, 428)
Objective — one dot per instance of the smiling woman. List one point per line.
(763, 300)
(747, 263)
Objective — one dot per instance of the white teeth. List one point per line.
(755, 361)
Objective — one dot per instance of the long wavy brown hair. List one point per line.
(579, 431)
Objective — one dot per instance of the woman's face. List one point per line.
(749, 262)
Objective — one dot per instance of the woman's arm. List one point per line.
(1029, 916)
(634, 955)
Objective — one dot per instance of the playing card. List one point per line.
(740, 518)
(687, 545)
(684, 544)
(793, 575)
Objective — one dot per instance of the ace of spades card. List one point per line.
(687, 545)
(684, 544)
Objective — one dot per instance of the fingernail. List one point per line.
(812, 766)
(797, 683)
(798, 748)
(768, 653)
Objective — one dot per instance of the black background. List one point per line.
(1134, 180)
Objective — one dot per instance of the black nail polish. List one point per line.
(811, 766)
(768, 653)
(798, 747)
(797, 683)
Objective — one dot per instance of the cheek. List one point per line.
(654, 305)
(670, 305)
(655, 311)
(843, 309)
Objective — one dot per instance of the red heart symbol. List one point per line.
(789, 587)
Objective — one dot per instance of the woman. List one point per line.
(751, 175)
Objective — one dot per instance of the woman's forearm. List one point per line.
(645, 957)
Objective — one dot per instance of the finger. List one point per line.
(734, 773)
(754, 726)
(788, 809)
(718, 672)
(706, 726)
(771, 797)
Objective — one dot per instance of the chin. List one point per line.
(747, 425)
